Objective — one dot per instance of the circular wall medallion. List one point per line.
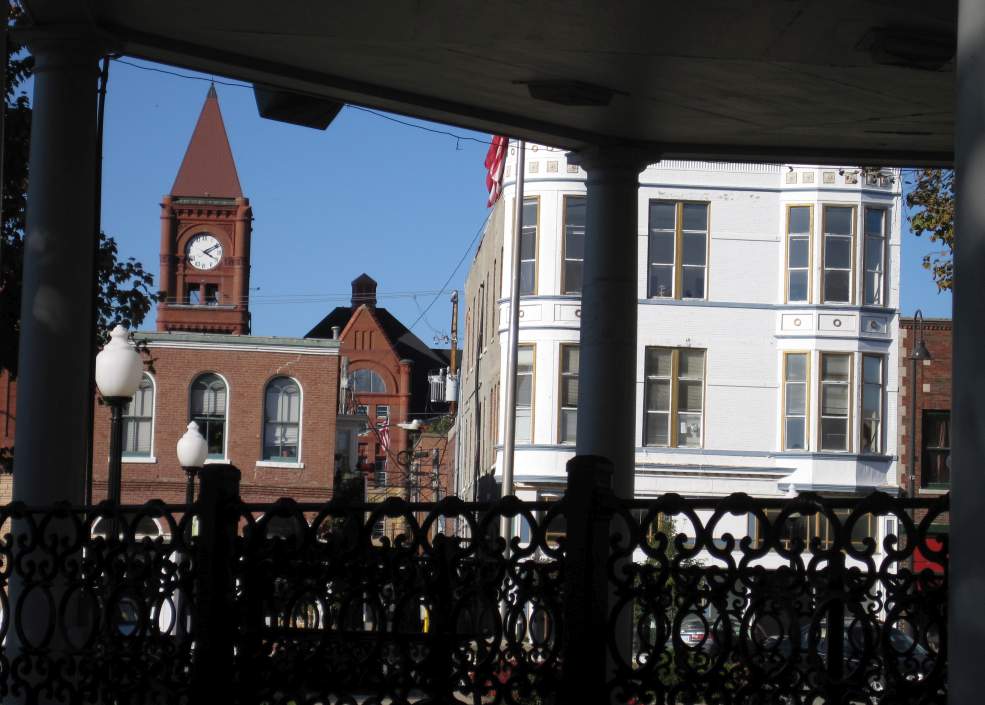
(796, 322)
(836, 323)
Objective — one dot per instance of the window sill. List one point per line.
(933, 490)
(217, 461)
(139, 460)
(279, 464)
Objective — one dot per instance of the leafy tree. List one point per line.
(932, 198)
(125, 290)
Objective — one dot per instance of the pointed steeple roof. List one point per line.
(208, 168)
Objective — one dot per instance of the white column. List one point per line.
(56, 335)
(967, 563)
(607, 372)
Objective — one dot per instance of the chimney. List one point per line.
(335, 332)
(363, 291)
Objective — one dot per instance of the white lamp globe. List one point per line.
(118, 366)
(192, 448)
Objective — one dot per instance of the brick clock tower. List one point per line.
(206, 225)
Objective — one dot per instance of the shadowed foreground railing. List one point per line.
(671, 600)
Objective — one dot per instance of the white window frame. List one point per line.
(226, 424)
(533, 390)
(273, 462)
(149, 456)
(567, 227)
(882, 269)
(677, 264)
(788, 270)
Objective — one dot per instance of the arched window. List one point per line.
(282, 420)
(208, 410)
(138, 421)
(367, 381)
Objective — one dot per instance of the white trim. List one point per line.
(263, 426)
(217, 461)
(139, 460)
(277, 464)
(331, 352)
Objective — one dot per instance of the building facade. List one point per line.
(928, 430)
(768, 329)
(265, 405)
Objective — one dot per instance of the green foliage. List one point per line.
(932, 201)
(125, 290)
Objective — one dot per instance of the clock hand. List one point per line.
(209, 251)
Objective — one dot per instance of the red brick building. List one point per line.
(387, 371)
(266, 405)
(932, 428)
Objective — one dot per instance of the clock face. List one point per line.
(204, 251)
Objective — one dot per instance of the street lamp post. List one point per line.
(192, 451)
(118, 373)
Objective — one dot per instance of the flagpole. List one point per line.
(509, 440)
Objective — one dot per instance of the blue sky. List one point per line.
(367, 194)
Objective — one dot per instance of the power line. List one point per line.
(465, 254)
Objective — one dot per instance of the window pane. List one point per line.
(523, 425)
(798, 252)
(836, 286)
(873, 253)
(529, 213)
(572, 277)
(795, 434)
(574, 243)
(658, 395)
(569, 391)
(662, 215)
(693, 284)
(657, 431)
(694, 248)
(695, 216)
(800, 219)
(838, 221)
(661, 280)
(569, 426)
(689, 433)
(689, 396)
(796, 368)
(796, 399)
(874, 221)
(834, 434)
(528, 244)
(837, 252)
(527, 277)
(692, 363)
(870, 436)
(798, 285)
(569, 358)
(834, 368)
(658, 362)
(873, 288)
(662, 248)
(524, 388)
(525, 359)
(872, 368)
(834, 400)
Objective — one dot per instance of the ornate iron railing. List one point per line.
(593, 599)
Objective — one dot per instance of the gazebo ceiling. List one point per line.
(843, 81)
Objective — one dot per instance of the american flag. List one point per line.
(495, 162)
(383, 430)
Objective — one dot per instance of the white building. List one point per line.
(768, 330)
